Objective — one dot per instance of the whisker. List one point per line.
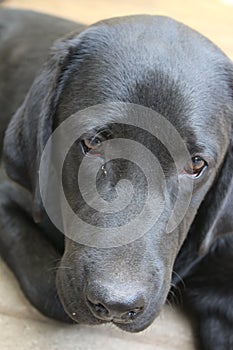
(174, 298)
(179, 278)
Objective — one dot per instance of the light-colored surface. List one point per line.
(213, 18)
(22, 327)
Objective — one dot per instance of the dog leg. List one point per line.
(28, 253)
(208, 295)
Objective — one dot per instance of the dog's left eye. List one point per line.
(196, 167)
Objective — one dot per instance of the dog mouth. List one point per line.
(85, 306)
(101, 312)
(136, 327)
(128, 322)
(132, 326)
(86, 310)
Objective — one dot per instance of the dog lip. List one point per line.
(94, 321)
(117, 321)
(131, 326)
(134, 326)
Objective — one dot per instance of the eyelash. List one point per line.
(91, 146)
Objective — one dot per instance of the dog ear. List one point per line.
(32, 124)
(215, 219)
(216, 210)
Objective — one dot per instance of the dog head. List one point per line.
(152, 82)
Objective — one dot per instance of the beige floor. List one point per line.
(213, 18)
(22, 327)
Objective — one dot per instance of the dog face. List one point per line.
(130, 66)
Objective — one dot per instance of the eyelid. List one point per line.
(103, 133)
(195, 175)
(88, 144)
(89, 152)
(92, 151)
(198, 175)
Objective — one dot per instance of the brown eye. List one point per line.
(196, 166)
(91, 146)
(94, 143)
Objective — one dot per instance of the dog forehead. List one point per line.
(141, 31)
(147, 51)
(152, 61)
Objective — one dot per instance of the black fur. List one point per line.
(154, 62)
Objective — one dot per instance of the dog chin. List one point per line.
(135, 327)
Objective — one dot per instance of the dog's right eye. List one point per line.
(91, 146)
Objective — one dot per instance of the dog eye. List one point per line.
(196, 167)
(91, 146)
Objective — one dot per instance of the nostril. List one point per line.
(118, 305)
(98, 309)
(113, 313)
(132, 314)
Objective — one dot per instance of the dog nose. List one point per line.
(118, 306)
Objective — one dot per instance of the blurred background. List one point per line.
(213, 18)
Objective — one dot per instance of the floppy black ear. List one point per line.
(217, 208)
(32, 124)
(215, 215)
(213, 220)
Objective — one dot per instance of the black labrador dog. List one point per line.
(153, 66)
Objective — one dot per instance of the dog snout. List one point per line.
(111, 303)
